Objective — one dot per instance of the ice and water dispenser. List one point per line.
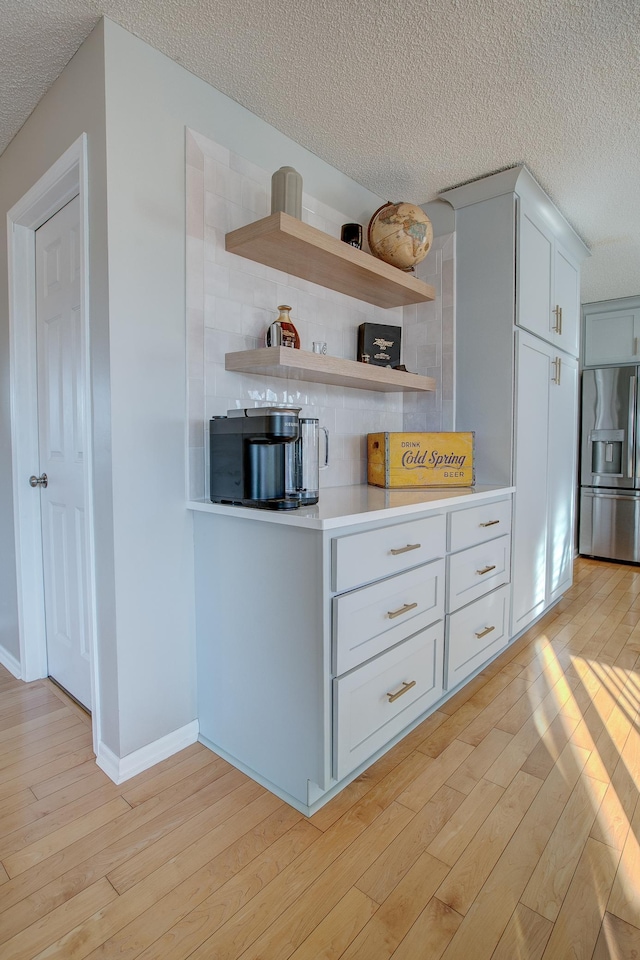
(607, 451)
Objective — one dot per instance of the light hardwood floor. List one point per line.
(506, 826)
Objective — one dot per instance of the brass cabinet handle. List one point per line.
(490, 523)
(484, 570)
(557, 327)
(557, 366)
(406, 685)
(404, 609)
(409, 546)
(484, 632)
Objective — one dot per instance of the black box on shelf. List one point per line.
(379, 344)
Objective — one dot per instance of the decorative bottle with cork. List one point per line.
(282, 333)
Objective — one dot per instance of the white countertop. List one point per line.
(345, 506)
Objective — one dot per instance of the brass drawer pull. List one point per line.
(406, 685)
(409, 546)
(557, 327)
(484, 632)
(484, 570)
(490, 523)
(398, 613)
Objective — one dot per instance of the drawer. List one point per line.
(478, 524)
(373, 554)
(476, 571)
(475, 634)
(368, 621)
(378, 700)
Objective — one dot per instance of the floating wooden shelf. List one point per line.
(296, 248)
(317, 368)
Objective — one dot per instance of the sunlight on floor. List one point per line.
(607, 727)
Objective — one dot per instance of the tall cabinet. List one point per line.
(517, 343)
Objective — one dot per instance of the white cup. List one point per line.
(319, 346)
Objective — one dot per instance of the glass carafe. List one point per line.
(309, 459)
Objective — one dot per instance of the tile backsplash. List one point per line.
(231, 301)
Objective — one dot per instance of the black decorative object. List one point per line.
(380, 342)
(351, 233)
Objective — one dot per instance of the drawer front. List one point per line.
(363, 557)
(378, 700)
(478, 524)
(476, 571)
(475, 634)
(368, 621)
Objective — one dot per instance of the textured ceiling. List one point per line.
(406, 97)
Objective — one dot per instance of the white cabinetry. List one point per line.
(475, 634)
(374, 554)
(517, 269)
(377, 697)
(611, 332)
(378, 700)
(545, 465)
(562, 468)
(477, 570)
(369, 620)
(321, 645)
(547, 284)
(478, 596)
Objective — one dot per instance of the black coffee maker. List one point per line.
(247, 457)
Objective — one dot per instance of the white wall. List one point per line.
(231, 301)
(73, 105)
(429, 334)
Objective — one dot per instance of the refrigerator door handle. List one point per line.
(600, 495)
(631, 427)
(636, 477)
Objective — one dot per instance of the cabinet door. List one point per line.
(562, 454)
(535, 261)
(548, 285)
(529, 546)
(565, 305)
(612, 337)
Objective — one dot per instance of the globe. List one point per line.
(400, 234)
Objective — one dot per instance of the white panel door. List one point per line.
(566, 302)
(612, 337)
(61, 432)
(530, 512)
(535, 260)
(563, 443)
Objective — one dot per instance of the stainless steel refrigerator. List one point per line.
(610, 464)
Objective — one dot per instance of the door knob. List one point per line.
(39, 481)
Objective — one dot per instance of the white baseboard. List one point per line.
(11, 663)
(120, 769)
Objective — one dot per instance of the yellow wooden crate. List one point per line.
(420, 459)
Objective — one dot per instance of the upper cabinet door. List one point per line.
(612, 335)
(565, 302)
(547, 285)
(535, 260)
